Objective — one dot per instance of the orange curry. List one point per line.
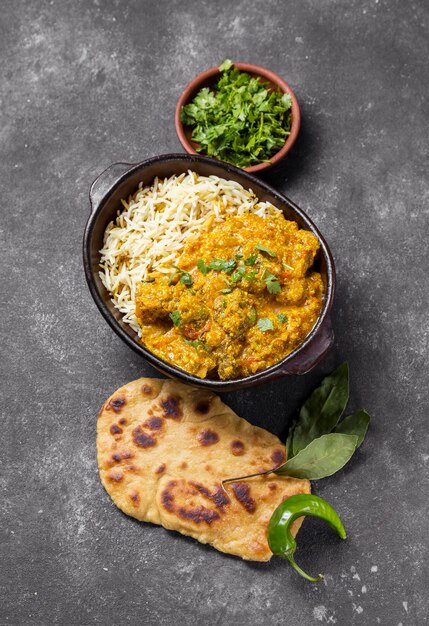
(240, 298)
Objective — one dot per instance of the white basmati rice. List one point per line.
(148, 235)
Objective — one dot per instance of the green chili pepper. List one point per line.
(280, 538)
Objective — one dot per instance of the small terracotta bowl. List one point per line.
(209, 78)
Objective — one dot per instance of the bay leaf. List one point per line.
(322, 457)
(320, 413)
(289, 439)
(355, 424)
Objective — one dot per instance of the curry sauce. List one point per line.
(241, 297)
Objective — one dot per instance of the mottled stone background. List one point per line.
(83, 84)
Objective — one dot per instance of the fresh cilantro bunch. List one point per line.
(243, 122)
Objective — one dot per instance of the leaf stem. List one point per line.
(233, 480)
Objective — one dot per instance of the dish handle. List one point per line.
(313, 353)
(105, 181)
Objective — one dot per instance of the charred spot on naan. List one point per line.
(115, 477)
(207, 437)
(131, 468)
(115, 430)
(167, 497)
(145, 435)
(278, 456)
(242, 493)
(202, 407)
(155, 423)
(116, 404)
(135, 498)
(237, 447)
(151, 389)
(198, 514)
(193, 501)
(117, 457)
(171, 406)
(142, 439)
(218, 497)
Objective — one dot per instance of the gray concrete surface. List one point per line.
(84, 84)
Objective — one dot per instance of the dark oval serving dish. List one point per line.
(122, 179)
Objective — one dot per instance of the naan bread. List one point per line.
(163, 449)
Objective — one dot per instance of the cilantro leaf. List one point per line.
(238, 274)
(264, 324)
(251, 260)
(175, 318)
(250, 276)
(204, 269)
(252, 315)
(272, 283)
(274, 286)
(223, 266)
(186, 279)
(263, 248)
(226, 65)
(287, 100)
(282, 318)
(195, 343)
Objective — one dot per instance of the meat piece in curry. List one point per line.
(241, 298)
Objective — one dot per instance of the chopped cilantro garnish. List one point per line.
(264, 324)
(186, 279)
(204, 269)
(244, 121)
(263, 248)
(282, 318)
(223, 266)
(252, 315)
(226, 65)
(195, 343)
(175, 317)
(251, 260)
(250, 276)
(272, 283)
(238, 274)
